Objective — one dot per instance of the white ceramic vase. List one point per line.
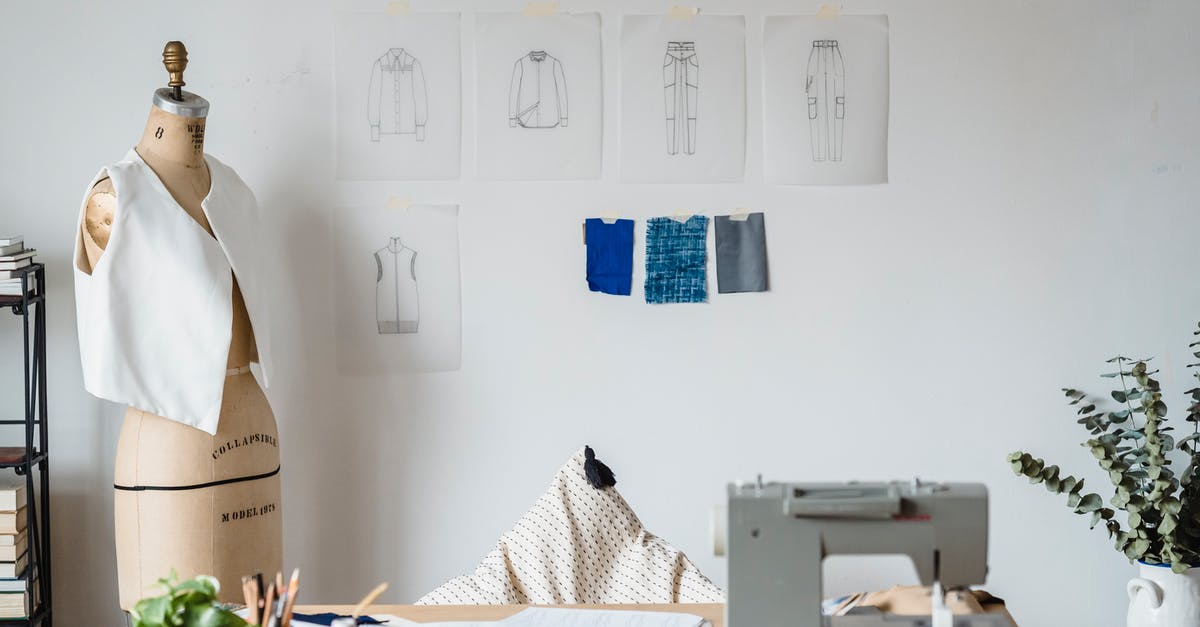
(1161, 598)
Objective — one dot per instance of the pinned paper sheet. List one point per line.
(683, 13)
(398, 202)
(540, 9)
(397, 7)
(829, 11)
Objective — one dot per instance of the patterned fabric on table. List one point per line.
(675, 260)
(579, 544)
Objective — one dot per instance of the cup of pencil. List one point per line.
(270, 605)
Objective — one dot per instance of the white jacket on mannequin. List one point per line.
(155, 315)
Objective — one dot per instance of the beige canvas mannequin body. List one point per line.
(227, 530)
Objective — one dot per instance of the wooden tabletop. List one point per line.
(714, 612)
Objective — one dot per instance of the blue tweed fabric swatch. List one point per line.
(675, 260)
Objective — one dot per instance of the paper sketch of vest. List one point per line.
(397, 103)
(537, 95)
(397, 303)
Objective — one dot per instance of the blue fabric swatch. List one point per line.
(328, 617)
(609, 256)
(675, 260)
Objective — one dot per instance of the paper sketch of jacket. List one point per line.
(825, 88)
(397, 103)
(397, 301)
(537, 95)
(681, 81)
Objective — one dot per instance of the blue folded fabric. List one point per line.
(609, 256)
(328, 617)
(675, 260)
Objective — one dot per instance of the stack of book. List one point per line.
(14, 553)
(13, 257)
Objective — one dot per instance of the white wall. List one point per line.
(1041, 216)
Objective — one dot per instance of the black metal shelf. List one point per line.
(31, 456)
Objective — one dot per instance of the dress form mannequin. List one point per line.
(166, 519)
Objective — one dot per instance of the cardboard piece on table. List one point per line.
(397, 7)
(540, 9)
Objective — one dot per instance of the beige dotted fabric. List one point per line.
(578, 544)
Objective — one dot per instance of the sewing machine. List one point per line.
(779, 533)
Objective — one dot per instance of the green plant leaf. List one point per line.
(1090, 503)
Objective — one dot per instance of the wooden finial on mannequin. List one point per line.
(175, 59)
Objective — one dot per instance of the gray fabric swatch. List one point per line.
(741, 254)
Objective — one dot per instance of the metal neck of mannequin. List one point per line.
(189, 105)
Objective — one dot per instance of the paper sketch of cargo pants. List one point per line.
(826, 91)
(397, 303)
(397, 103)
(681, 80)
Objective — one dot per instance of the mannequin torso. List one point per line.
(226, 530)
(173, 146)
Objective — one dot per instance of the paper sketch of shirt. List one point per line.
(537, 95)
(681, 79)
(397, 304)
(396, 98)
(826, 91)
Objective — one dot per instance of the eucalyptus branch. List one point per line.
(1162, 510)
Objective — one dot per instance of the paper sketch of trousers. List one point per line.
(397, 103)
(826, 91)
(681, 80)
(397, 303)
(537, 95)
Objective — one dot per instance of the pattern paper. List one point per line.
(683, 99)
(538, 102)
(825, 92)
(398, 96)
(398, 293)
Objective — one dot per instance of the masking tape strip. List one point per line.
(397, 7)
(741, 214)
(540, 9)
(829, 11)
(398, 202)
(683, 13)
